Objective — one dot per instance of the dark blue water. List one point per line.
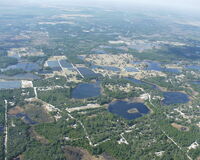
(193, 67)
(139, 82)
(10, 84)
(26, 118)
(86, 72)
(136, 62)
(171, 70)
(136, 81)
(45, 72)
(65, 64)
(56, 68)
(23, 76)
(86, 90)
(121, 108)
(110, 68)
(54, 65)
(115, 69)
(29, 67)
(154, 66)
(98, 51)
(131, 69)
(81, 57)
(28, 76)
(196, 82)
(171, 98)
(1, 129)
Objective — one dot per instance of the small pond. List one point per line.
(131, 69)
(54, 65)
(86, 90)
(10, 84)
(193, 67)
(156, 66)
(29, 67)
(195, 82)
(22, 76)
(109, 68)
(128, 110)
(136, 81)
(66, 64)
(1, 129)
(86, 72)
(139, 82)
(171, 98)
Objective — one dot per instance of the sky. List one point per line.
(187, 5)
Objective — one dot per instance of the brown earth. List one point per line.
(75, 153)
(180, 127)
(15, 110)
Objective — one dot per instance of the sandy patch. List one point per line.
(74, 153)
(180, 127)
(89, 106)
(27, 84)
(15, 110)
(24, 51)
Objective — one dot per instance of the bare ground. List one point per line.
(76, 153)
(180, 127)
(15, 110)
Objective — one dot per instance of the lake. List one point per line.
(131, 69)
(10, 84)
(195, 82)
(86, 90)
(109, 68)
(99, 51)
(27, 76)
(1, 129)
(81, 57)
(193, 67)
(66, 64)
(139, 82)
(54, 65)
(86, 72)
(136, 81)
(156, 66)
(136, 62)
(29, 67)
(44, 72)
(23, 76)
(171, 70)
(122, 108)
(171, 98)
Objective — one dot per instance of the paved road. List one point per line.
(6, 130)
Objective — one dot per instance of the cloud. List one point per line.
(179, 4)
(175, 4)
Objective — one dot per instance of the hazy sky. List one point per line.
(175, 4)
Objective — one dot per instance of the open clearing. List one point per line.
(180, 127)
(89, 106)
(15, 110)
